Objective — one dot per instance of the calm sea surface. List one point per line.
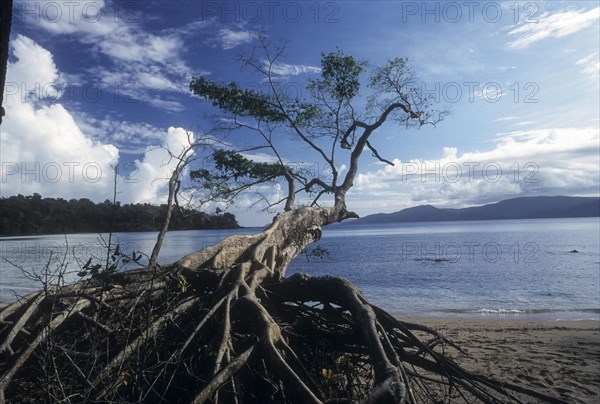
(512, 269)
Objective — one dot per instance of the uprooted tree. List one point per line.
(224, 324)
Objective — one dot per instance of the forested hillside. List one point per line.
(27, 215)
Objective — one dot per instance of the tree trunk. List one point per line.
(5, 24)
(276, 247)
(166, 220)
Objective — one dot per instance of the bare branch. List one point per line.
(377, 156)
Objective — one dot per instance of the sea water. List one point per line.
(539, 269)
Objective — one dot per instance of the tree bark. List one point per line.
(5, 25)
(275, 247)
(166, 220)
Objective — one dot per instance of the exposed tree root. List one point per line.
(238, 332)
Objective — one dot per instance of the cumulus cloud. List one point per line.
(149, 182)
(36, 69)
(552, 161)
(45, 149)
(555, 25)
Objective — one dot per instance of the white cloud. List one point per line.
(135, 136)
(591, 65)
(537, 162)
(261, 157)
(156, 81)
(66, 17)
(46, 149)
(42, 148)
(228, 39)
(165, 104)
(147, 63)
(37, 64)
(284, 69)
(149, 183)
(490, 93)
(553, 26)
(506, 68)
(506, 118)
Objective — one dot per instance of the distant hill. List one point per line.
(537, 207)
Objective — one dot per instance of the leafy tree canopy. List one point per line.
(330, 118)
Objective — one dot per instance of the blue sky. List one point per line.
(97, 83)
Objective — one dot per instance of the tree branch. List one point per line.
(377, 156)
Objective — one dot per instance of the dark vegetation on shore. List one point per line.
(31, 215)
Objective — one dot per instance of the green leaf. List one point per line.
(340, 76)
(233, 99)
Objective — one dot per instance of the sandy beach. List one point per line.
(558, 358)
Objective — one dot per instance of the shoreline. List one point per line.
(558, 358)
(543, 316)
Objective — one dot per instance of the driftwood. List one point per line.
(225, 325)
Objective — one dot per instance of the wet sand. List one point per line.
(558, 358)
